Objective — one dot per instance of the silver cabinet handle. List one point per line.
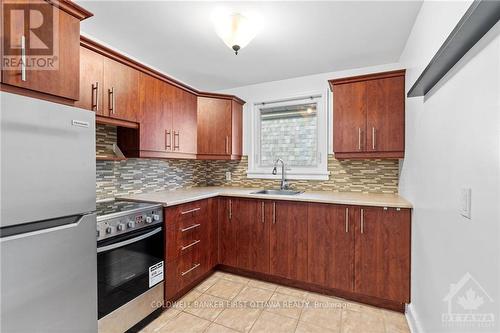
(190, 227)
(362, 221)
(111, 96)
(23, 58)
(262, 212)
(347, 220)
(227, 145)
(189, 245)
(178, 140)
(373, 138)
(95, 91)
(274, 212)
(359, 138)
(168, 139)
(191, 269)
(230, 209)
(191, 211)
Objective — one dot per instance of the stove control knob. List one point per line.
(109, 230)
(98, 232)
(156, 217)
(120, 227)
(131, 224)
(149, 219)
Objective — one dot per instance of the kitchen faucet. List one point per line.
(284, 184)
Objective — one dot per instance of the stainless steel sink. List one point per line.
(278, 192)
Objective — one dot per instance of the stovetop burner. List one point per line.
(118, 206)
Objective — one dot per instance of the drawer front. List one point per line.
(186, 214)
(180, 240)
(182, 271)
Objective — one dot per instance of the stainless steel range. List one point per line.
(130, 267)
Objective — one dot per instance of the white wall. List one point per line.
(452, 141)
(299, 86)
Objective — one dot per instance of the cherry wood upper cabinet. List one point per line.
(155, 115)
(385, 117)
(382, 253)
(219, 128)
(91, 82)
(184, 122)
(288, 239)
(56, 72)
(121, 90)
(368, 115)
(331, 246)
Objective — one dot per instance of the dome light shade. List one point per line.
(235, 29)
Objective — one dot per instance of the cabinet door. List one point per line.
(252, 235)
(227, 233)
(214, 126)
(382, 254)
(331, 246)
(121, 92)
(58, 79)
(385, 114)
(288, 240)
(349, 117)
(91, 81)
(237, 129)
(154, 120)
(184, 125)
(210, 243)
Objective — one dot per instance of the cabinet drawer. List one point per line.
(187, 214)
(180, 240)
(182, 271)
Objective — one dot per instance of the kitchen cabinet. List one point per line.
(227, 233)
(91, 81)
(219, 128)
(331, 246)
(252, 234)
(121, 90)
(167, 121)
(288, 240)
(191, 243)
(368, 115)
(56, 72)
(359, 251)
(382, 253)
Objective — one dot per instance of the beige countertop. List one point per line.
(176, 197)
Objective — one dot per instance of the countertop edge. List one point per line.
(299, 198)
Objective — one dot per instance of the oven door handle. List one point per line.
(128, 241)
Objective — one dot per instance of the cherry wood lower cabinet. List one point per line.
(382, 253)
(351, 251)
(331, 246)
(288, 240)
(191, 243)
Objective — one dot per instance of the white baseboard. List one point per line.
(412, 318)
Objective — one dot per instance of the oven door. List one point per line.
(127, 266)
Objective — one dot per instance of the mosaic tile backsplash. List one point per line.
(134, 175)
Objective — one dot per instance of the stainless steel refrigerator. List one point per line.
(48, 279)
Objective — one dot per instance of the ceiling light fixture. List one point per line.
(235, 29)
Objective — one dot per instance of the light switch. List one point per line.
(465, 202)
(228, 175)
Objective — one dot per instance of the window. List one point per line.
(293, 130)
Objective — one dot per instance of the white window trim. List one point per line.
(318, 173)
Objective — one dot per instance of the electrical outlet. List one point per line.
(228, 175)
(465, 202)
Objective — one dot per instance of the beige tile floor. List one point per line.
(230, 303)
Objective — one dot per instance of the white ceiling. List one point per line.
(297, 38)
